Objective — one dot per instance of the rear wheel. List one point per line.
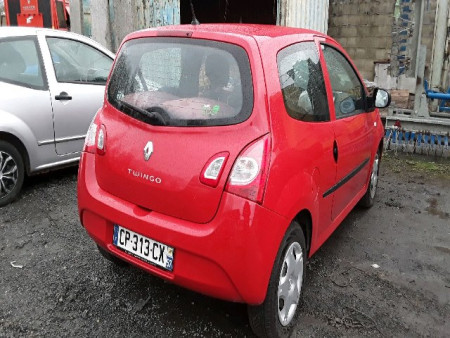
(12, 173)
(111, 258)
(369, 196)
(276, 316)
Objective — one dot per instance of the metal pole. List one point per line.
(446, 75)
(418, 24)
(420, 100)
(440, 35)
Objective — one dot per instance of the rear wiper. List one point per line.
(150, 117)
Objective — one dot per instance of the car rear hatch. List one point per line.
(178, 114)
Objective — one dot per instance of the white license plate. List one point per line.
(144, 248)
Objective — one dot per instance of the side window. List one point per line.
(77, 62)
(347, 88)
(20, 64)
(302, 83)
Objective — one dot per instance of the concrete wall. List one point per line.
(429, 17)
(76, 17)
(2, 16)
(112, 20)
(101, 27)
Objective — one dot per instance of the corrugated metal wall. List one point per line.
(112, 19)
(155, 13)
(312, 14)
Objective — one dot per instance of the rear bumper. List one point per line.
(230, 257)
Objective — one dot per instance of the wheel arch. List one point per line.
(16, 142)
(304, 219)
(381, 147)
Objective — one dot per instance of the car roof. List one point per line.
(18, 31)
(11, 31)
(249, 30)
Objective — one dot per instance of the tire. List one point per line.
(111, 258)
(267, 319)
(369, 197)
(12, 173)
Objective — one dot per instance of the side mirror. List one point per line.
(382, 98)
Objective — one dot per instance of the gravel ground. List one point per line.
(61, 286)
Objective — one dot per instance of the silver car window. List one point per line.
(77, 62)
(19, 63)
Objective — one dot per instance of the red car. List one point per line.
(225, 155)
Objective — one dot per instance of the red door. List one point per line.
(352, 131)
(302, 165)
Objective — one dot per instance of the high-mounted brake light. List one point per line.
(249, 174)
(213, 169)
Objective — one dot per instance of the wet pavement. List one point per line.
(384, 272)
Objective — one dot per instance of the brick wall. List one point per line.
(370, 31)
(364, 29)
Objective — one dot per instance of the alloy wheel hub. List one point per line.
(374, 176)
(290, 283)
(8, 173)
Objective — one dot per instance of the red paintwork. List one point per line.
(225, 245)
(29, 9)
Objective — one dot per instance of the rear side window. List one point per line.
(20, 63)
(302, 83)
(182, 82)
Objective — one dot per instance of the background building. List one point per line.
(382, 37)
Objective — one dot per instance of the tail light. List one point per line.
(91, 136)
(101, 140)
(95, 141)
(249, 174)
(213, 169)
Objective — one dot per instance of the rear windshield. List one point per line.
(182, 82)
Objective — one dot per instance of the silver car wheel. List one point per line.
(8, 173)
(290, 283)
(374, 176)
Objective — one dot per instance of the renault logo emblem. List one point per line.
(148, 150)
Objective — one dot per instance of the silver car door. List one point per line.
(77, 84)
(25, 99)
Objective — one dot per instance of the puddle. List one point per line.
(433, 209)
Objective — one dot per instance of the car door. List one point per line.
(352, 129)
(24, 96)
(307, 138)
(77, 85)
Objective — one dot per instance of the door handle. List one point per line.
(335, 151)
(63, 96)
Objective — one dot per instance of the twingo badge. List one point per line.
(148, 150)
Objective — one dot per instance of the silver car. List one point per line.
(51, 85)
